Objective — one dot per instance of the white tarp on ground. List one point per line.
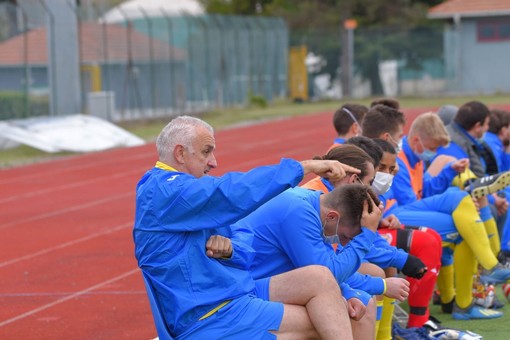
(76, 133)
(139, 9)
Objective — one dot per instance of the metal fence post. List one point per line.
(74, 9)
(171, 58)
(54, 92)
(151, 56)
(26, 65)
(106, 63)
(130, 71)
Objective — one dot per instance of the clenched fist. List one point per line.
(218, 247)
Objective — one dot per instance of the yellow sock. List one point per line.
(445, 284)
(492, 232)
(491, 228)
(384, 332)
(378, 315)
(459, 180)
(465, 267)
(472, 230)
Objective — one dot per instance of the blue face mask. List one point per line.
(426, 155)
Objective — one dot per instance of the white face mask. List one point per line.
(333, 238)
(399, 146)
(382, 182)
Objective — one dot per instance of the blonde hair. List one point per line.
(429, 126)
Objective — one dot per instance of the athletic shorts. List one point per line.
(262, 288)
(247, 317)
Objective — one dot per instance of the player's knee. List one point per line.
(322, 276)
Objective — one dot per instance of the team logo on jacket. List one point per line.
(452, 236)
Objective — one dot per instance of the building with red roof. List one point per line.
(112, 57)
(476, 44)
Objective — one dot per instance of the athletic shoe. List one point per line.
(498, 274)
(474, 312)
(504, 258)
(497, 303)
(488, 185)
(447, 307)
(413, 333)
(437, 331)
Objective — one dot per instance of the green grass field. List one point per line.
(495, 329)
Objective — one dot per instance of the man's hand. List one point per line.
(414, 267)
(390, 222)
(371, 219)
(218, 247)
(356, 309)
(332, 170)
(397, 288)
(461, 165)
(501, 204)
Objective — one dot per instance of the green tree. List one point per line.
(386, 30)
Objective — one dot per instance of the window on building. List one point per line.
(494, 30)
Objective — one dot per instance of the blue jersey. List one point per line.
(288, 235)
(176, 214)
(432, 185)
(452, 149)
(498, 149)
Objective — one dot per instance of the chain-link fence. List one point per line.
(386, 61)
(139, 66)
(146, 65)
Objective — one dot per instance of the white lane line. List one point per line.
(63, 211)
(66, 244)
(69, 297)
(71, 185)
(104, 292)
(58, 169)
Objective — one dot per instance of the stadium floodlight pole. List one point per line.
(350, 25)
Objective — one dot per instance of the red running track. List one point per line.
(66, 262)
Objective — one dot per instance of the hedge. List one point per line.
(14, 105)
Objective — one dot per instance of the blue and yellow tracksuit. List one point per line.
(503, 162)
(451, 213)
(176, 214)
(288, 235)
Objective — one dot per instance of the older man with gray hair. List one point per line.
(199, 274)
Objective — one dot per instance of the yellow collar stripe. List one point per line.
(163, 166)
